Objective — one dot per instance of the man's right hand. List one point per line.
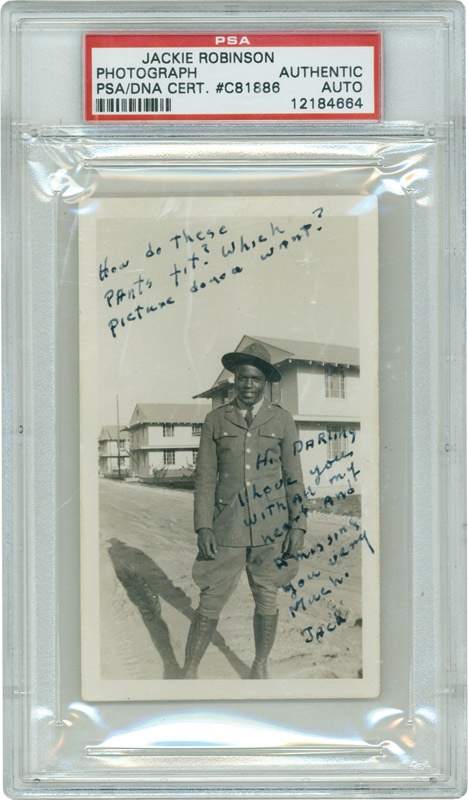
(207, 543)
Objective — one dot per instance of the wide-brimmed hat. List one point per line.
(256, 355)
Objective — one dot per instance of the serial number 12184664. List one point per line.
(311, 103)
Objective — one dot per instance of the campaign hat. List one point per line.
(256, 355)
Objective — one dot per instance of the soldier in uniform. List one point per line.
(249, 506)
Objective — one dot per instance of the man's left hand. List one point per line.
(293, 542)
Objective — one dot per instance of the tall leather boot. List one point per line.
(199, 636)
(264, 635)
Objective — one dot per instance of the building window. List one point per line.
(169, 458)
(337, 443)
(194, 457)
(168, 429)
(274, 392)
(335, 385)
(196, 429)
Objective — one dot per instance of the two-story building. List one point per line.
(113, 450)
(320, 387)
(164, 439)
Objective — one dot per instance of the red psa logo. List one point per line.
(232, 40)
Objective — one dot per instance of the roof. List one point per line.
(109, 432)
(160, 413)
(286, 350)
(315, 351)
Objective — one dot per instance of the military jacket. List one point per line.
(248, 486)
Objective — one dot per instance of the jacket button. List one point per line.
(225, 433)
(248, 450)
(247, 483)
(247, 466)
(249, 434)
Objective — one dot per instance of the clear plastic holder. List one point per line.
(79, 720)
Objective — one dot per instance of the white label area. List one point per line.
(254, 76)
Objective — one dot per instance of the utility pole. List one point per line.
(118, 437)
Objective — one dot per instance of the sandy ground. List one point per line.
(148, 596)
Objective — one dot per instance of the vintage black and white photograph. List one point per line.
(229, 446)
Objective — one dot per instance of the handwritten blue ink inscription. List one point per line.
(193, 261)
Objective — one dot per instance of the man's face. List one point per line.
(249, 384)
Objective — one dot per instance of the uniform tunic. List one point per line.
(249, 487)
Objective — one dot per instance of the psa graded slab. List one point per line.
(234, 405)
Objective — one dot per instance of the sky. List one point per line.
(300, 280)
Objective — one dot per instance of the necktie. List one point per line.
(249, 417)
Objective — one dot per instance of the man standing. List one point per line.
(249, 506)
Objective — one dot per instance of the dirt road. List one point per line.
(148, 596)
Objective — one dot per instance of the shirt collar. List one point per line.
(254, 409)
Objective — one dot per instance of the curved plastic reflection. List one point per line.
(401, 730)
(389, 732)
(205, 729)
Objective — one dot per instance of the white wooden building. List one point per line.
(113, 451)
(164, 439)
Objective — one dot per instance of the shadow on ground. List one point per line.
(145, 583)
